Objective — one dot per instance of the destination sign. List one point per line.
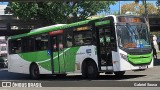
(130, 19)
(83, 28)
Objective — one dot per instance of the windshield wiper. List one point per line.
(130, 28)
(132, 31)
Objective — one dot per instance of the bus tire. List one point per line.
(91, 70)
(84, 74)
(119, 73)
(34, 71)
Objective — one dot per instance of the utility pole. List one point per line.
(146, 10)
(119, 7)
(158, 5)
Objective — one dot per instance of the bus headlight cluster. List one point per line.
(124, 56)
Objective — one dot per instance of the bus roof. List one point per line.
(52, 28)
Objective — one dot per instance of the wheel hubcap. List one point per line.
(36, 71)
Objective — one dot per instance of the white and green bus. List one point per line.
(111, 44)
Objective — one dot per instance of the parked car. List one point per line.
(3, 62)
(3, 50)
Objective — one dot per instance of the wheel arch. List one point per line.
(84, 62)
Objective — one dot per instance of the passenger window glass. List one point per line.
(83, 37)
(15, 46)
(69, 39)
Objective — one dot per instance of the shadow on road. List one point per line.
(156, 62)
(79, 78)
(5, 75)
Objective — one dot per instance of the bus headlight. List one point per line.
(124, 56)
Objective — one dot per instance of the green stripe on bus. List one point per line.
(140, 59)
(102, 23)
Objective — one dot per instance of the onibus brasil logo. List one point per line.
(20, 84)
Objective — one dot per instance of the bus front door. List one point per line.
(104, 47)
(57, 56)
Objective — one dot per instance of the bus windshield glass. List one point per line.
(133, 35)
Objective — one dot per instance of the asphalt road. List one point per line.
(130, 75)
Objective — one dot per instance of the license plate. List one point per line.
(142, 67)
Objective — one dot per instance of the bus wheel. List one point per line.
(91, 70)
(34, 71)
(119, 73)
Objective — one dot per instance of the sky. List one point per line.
(3, 3)
(2, 7)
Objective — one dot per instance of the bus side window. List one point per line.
(15, 46)
(79, 39)
(83, 35)
(37, 45)
(69, 38)
(41, 42)
(24, 44)
(44, 41)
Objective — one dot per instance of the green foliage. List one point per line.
(138, 8)
(116, 13)
(58, 12)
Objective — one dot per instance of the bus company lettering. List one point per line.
(80, 53)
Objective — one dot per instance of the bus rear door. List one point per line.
(57, 54)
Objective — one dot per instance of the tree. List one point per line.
(58, 12)
(138, 8)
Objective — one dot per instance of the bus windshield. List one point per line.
(131, 35)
